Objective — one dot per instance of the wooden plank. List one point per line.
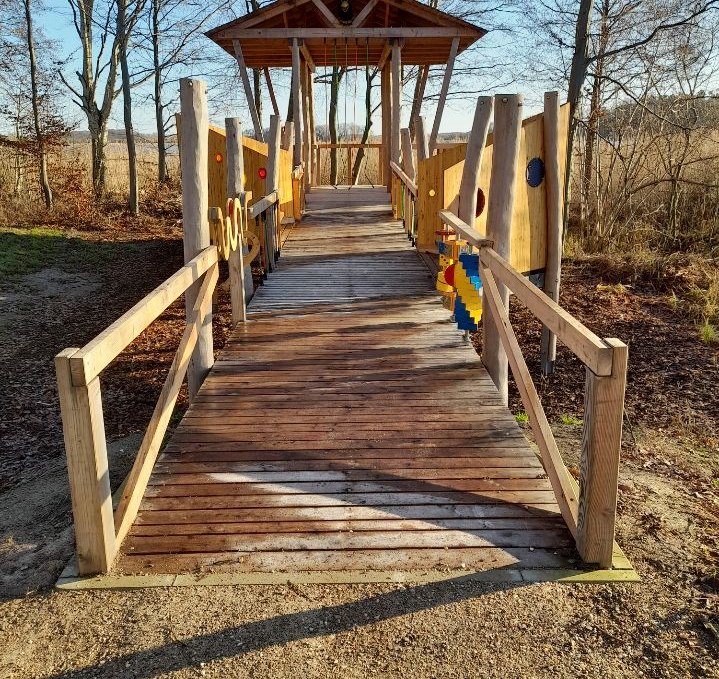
(139, 475)
(463, 229)
(404, 178)
(588, 347)
(86, 453)
(87, 363)
(473, 161)
(601, 448)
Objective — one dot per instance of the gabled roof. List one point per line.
(360, 37)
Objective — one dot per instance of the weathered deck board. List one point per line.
(347, 426)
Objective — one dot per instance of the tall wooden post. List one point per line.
(443, 95)
(306, 147)
(553, 158)
(296, 103)
(235, 188)
(272, 225)
(386, 96)
(312, 134)
(473, 161)
(193, 160)
(407, 155)
(86, 450)
(599, 466)
(420, 135)
(500, 206)
(256, 122)
(396, 65)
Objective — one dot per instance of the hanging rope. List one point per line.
(347, 72)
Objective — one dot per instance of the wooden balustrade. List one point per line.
(99, 531)
(590, 510)
(404, 200)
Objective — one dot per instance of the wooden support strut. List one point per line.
(421, 138)
(256, 122)
(271, 90)
(443, 95)
(196, 228)
(396, 105)
(386, 98)
(272, 225)
(235, 188)
(500, 209)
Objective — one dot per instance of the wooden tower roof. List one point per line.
(361, 36)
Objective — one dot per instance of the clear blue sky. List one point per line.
(57, 24)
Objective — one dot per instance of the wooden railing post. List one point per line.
(84, 431)
(553, 159)
(421, 138)
(273, 184)
(195, 224)
(599, 468)
(473, 161)
(500, 208)
(235, 187)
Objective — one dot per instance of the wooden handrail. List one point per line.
(549, 453)
(593, 351)
(351, 145)
(261, 205)
(88, 362)
(402, 176)
(150, 447)
(468, 233)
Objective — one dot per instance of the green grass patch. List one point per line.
(571, 421)
(26, 251)
(708, 333)
(522, 418)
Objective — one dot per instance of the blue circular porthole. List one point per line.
(535, 172)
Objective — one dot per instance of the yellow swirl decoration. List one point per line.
(234, 212)
(253, 242)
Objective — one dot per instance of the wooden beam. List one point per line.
(562, 482)
(152, 441)
(443, 95)
(590, 349)
(269, 12)
(364, 14)
(195, 214)
(345, 32)
(421, 138)
(86, 454)
(256, 122)
(554, 181)
(272, 225)
(312, 134)
(473, 160)
(396, 68)
(599, 467)
(235, 188)
(256, 209)
(308, 57)
(296, 103)
(500, 209)
(271, 90)
(386, 53)
(326, 13)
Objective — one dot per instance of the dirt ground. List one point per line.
(666, 626)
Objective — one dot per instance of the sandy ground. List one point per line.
(666, 626)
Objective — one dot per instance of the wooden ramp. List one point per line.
(347, 426)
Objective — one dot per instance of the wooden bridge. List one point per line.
(348, 430)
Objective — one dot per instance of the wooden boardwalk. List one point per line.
(347, 426)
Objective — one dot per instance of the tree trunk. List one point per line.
(41, 152)
(98, 149)
(419, 89)
(133, 201)
(157, 95)
(337, 74)
(360, 157)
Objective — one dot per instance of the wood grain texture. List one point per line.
(347, 424)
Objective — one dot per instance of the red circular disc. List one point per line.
(449, 275)
(262, 172)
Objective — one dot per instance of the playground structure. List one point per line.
(347, 425)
